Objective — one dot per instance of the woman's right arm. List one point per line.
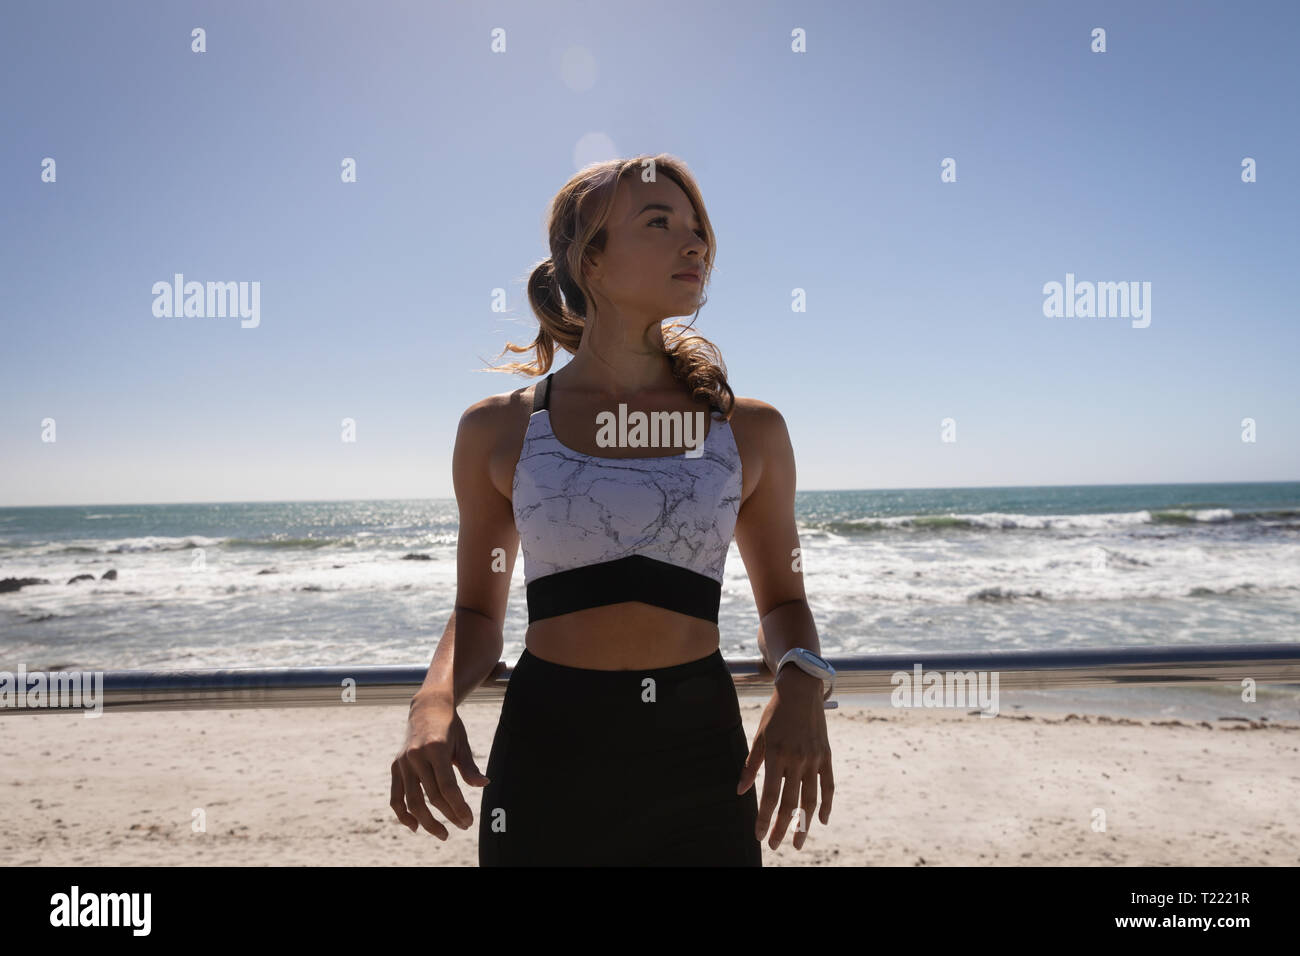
(470, 650)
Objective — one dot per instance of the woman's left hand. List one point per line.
(791, 740)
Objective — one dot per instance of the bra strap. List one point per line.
(542, 394)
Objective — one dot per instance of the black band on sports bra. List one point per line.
(542, 394)
(634, 578)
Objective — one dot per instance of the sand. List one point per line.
(914, 787)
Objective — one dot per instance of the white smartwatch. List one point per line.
(810, 663)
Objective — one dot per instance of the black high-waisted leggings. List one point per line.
(618, 768)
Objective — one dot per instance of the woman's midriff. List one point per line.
(625, 636)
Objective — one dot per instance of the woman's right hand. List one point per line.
(435, 741)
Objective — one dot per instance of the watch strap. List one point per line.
(793, 656)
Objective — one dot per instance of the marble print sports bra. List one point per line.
(597, 530)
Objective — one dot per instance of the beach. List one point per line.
(913, 787)
(959, 570)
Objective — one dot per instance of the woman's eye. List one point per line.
(664, 220)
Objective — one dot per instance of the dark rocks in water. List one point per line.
(268, 571)
(109, 575)
(338, 566)
(998, 594)
(417, 557)
(81, 577)
(13, 584)
(310, 587)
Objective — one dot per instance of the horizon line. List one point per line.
(292, 501)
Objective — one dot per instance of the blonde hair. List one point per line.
(561, 300)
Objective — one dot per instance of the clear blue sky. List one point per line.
(820, 170)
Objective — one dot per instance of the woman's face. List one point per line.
(652, 235)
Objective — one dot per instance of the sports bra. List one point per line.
(597, 530)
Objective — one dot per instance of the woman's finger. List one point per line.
(397, 801)
(451, 795)
(789, 800)
(771, 793)
(807, 805)
(750, 773)
(828, 790)
(415, 803)
(424, 764)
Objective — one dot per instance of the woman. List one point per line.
(620, 740)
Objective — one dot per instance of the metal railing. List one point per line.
(225, 688)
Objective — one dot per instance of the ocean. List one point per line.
(373, 582)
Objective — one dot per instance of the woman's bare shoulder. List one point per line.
(756, 423)
(762, 439)
(489, 438)
(497, 414)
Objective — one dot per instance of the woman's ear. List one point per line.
(591, 267)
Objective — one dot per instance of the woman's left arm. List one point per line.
(791, 737)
